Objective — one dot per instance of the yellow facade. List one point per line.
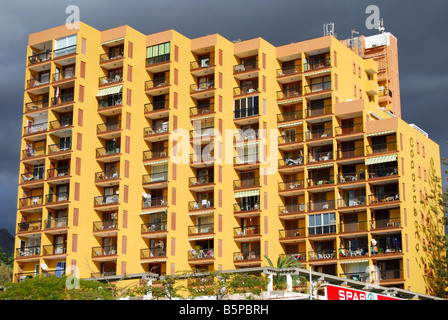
(109, 183)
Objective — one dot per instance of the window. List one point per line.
(158, 53)
(246, 107)
(322, 223)
(65, 45)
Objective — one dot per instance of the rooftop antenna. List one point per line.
(329, 29)
(352, 41)
(381, 26)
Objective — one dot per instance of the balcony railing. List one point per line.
(246, 231)
(64, 75)
(291, 185)
(320, 156)
(105, 225)
(352, 202)
(203, 157)
(299, 256)
(204, 204)
(203, 109)
(357, 276)
(383, 171)
(111, 101)
(30, 226)
(246, 206)
(156, 83)
(113, 54)
(35, 128)
(39, 81)
(246, 183)
(318, 87)
(290, 138)
(158, 59)
(107, 175)
(156, 129)
(28, 251)
(155, 153)
(198, 87)
(157, 106)
(36, 105)
(31, 201)
(289, 93)
(292, 208)
(385, 223)
(102, 152)
(59, 147)
(65, 98)
(202, 63)
(320, 181)
(57, 197)
(54, 223)
(34, 152)
(245, 112)
(319, 134)
(246, 159)
(199, 181)
(290, 116)
(392, 274)
(203, 132)
(316, 64)
(108, 126)
(105, 200)
(351, 176)
(350, 152)
(154, 226)
(153, 252)
(291, 233)
(388, 249)
(353, 252)
(104, 251)
(199, 229)
(349, 129)
(295, 161)
(105, 80)
(321, 205)
(319, 111)
(57, 124)
(40, 57)
(150, 202)
(322, 254)
(245, 89)
(155, 177)
(246, 66)
(290, 70)
(32, 176)
(353, 226)
(384, 197)
(49, 250)
(64, 51)
(246, 255)
(201, 253)
(382, 147)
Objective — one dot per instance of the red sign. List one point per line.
(341, 293)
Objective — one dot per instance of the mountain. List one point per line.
(6, 242)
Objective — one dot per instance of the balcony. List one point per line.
(108, 154)
(36, 105)
(112, 79)
(63, 76)
(357, 201)
(205, 158)
(203, 135)
(293, 187)
(384, 198)
(202, 183)
(155, 154)
(157, 87)
(54, 225)
(201, 229)
(386, 171)
(320, 156)
(202, 90)
(289, 93)
(105, 228)
(245, 116)
(152, 228)
(247, 256)
(61, 124)
(291, 211)
(349, 129)
(106, 201)
(246, 183)
(298, 256)
(39, 57)
(353, 252)
(32, 177)
(201, 110)
(324, 110)
(158, 63)
(29, 226)
(287, 140)
(245, 89)
(38, 82)
(31, 202)
(290, 116)
(157, 109)
(157, 132)
(380, 148)
(246, 161)
(58, 148)
(110, 105)
(292, 164)
(202, 67)
(248, 69)
(246, 209)
(154, 202)
(57, 200)
(154, 253)
(349, 177)
(381, 224)
(107, 178)
(317, 63)
(319, 134)
(350, 153)
(202, 205)
(321, 205)
(64, 51)
(34, 129)
(115, 56)
(291, 235)
(322, 254)
(28, 252)
(244, 233)
(63, 100)
(31, 153)
(53, 250)
(317, 88)
(104, 252)
(350, 227)
(290, 73)
(201, 254)
(109, 130)
(391, 275)
(320, 181)
(155, 180)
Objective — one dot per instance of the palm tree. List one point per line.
(284, 263)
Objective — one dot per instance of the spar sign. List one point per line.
(340, 293)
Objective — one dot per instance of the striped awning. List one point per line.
(290, 101)
(203, 117)
(317, 72)
(200, 213)
(328, 165)
(153, 260)
(247, 193)
(153, 211)
(243, 143)
(382, 133)
(110, 41)
(200, 238)
(383, 159)
(354, 261)
(109, 91)
(155, 163)
(293, 124)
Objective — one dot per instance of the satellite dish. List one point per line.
(44, 266)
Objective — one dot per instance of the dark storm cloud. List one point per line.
(420, 27)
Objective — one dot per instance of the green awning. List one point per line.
(248, 193)
(321, 166)
(382, 133)
(382, 159)
(109, 91)
(111, 41)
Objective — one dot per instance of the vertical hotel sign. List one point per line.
(341, 293)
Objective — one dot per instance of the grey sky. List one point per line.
(420, 27)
